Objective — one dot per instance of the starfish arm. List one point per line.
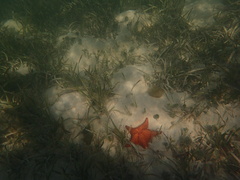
(143, 143)
(155, 133)
(135, 138)
(146, 137)
(144, 125)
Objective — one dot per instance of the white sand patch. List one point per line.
(88, 52)
(202, 12)
(91, 52)
(70, 108)
(84, 54)
(19, 68)
(23, 69)
(133, 104)
(13, 25)
(227, 115)
(134, 19)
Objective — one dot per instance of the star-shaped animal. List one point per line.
(141, 135)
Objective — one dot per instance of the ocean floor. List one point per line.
(116, 86)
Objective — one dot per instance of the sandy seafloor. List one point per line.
(131, 103)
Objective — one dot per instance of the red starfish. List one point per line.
(141, 135)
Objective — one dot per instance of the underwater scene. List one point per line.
(120, 90)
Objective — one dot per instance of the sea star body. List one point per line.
(141, 135)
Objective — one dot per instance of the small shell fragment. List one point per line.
(155, 92)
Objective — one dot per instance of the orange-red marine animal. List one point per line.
(141, 135)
